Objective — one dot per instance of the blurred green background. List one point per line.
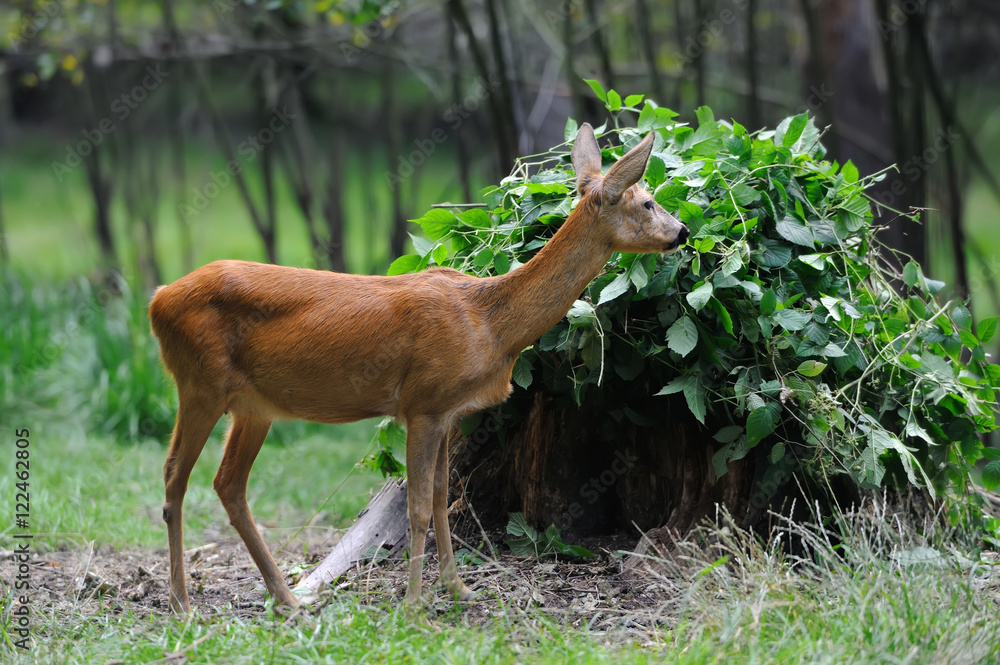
(394, 106)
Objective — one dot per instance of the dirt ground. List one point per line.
(222, 578)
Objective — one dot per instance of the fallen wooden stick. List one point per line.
(384, 523)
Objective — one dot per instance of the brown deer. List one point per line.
(262, 342)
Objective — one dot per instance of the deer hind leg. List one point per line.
(424, 437)
(245, 439)
(442, 529)
(194, 424)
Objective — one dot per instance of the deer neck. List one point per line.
(525, 303)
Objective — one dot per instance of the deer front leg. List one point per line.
(442, 529)
(424, 438)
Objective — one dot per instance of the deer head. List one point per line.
(627, 215)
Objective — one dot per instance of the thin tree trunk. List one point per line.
(149, 205)
(300, 166)
(265, 84)
(229, 152)
(506, 148)
(649, 50)
(569, 44)
(603, 56)
(174, 108)
(679, 32)
(456, 97)
(100, 183)
(753, 98)
(957, 234)
(501, 66)
(397, 234)
(333, 204)
(699, 60)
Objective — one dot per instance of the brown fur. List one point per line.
(263, 342)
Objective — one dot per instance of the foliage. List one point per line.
(88, 350)
(781, 322)
(390, 435)
(529, 541)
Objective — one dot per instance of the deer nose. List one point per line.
(682, 235)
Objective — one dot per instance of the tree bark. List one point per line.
(589, 475)
(649, 50)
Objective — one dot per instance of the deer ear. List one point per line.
(628, 170)
(586, 157)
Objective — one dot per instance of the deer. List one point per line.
(263, 342)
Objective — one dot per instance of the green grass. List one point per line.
(885, 593)
(86, 488)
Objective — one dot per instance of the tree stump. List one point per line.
(591, 474)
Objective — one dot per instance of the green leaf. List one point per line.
(501, 263)
(614, 101)
(656, 171)
(774, 254)
(476, 218)
(728, 434)
(694, 395)
(792, 319)
(796, 232)
(732, 264)
(598, 89)
(617, 287)
(646, 117)
(768, 302)
(991, 475)
(987, 328)
(404, 264)
(704, 115)
(675, 386)
(911, 274)
(744, 194)
(698, 298)
(671, 196)
(522, 371)
(794, 131)
(850, 172)
(761, 422)
(570, 130)
(421, 246)
(682, 337)
(483, 258)
(582, 313)
(811, 368)
(632, 100)
(440, 254)
(814, 261)
(437, 222)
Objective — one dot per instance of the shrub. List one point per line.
(782, 320)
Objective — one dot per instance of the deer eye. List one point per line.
(648, 205)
